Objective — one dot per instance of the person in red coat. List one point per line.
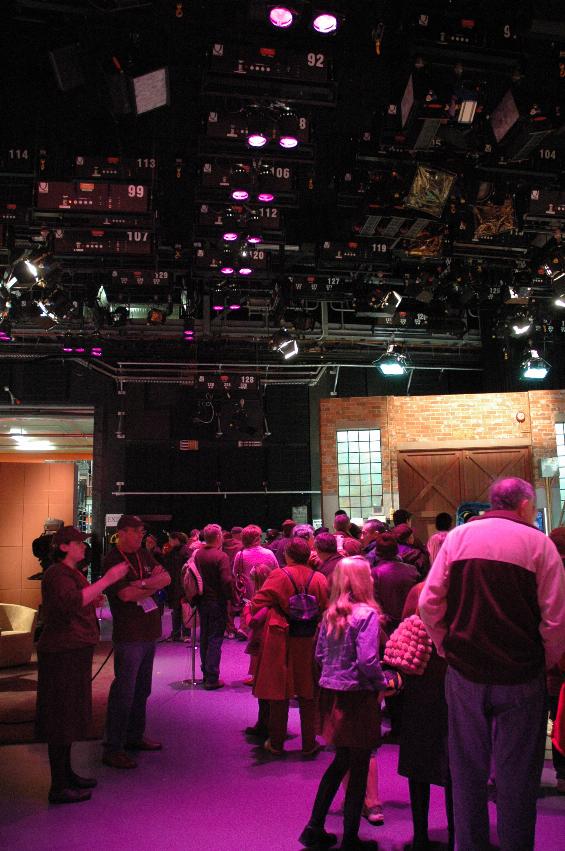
(285, 666)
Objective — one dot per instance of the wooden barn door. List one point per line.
(482, 466)
(430, 481)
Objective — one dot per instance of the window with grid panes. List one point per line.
(560, 441)
(359, 468)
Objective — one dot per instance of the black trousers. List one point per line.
(213, 619)
(356, 761)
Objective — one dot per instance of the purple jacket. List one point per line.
(351, 662)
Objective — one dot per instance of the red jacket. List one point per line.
(285, 665)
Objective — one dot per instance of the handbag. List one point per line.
(409, 647)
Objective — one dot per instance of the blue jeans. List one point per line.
(507, 723)
(213, 620)
(133, 671)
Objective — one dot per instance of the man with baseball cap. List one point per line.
(136, 628)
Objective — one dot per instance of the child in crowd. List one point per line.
(351, 686)
(255, 624)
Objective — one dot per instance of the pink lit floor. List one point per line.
(209, 788)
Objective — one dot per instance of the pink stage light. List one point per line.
(230, 236)
(288, 141)
(257, 140)
(227, 270)
(240, 195)
(265, 197)
(245, 270)
(325, 23)
(281, 16)
(254, 240)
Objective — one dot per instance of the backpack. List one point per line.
(191, 581)
(304, 611)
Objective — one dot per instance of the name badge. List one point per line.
(148, 604)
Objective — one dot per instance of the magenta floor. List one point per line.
(209, 788)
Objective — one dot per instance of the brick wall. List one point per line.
(431, 420)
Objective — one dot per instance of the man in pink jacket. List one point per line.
(494, 605)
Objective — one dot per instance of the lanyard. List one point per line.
(139, 562)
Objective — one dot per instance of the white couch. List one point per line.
(17, 627)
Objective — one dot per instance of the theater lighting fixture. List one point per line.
(533, 366)
(281, 17)
(257, 140)
(96, 351)
(266, 197)
(392, 362)
(285, 343)
(5, 331)
(325, 22)
(119, 316)
(254, 230)
(521, 325)
(559, 300)
(240, 183)
(227, 269)
(189, 331)
(218, 303)
(245, 270)
(233, 302)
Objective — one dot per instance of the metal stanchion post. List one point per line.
(194, 625)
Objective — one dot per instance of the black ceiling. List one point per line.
(388, 192)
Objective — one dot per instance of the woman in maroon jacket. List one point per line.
(64, 653)
(285, 664)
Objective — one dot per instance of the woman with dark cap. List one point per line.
(64, 652)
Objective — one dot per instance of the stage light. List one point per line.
(230, 227)
(233, 302)
(227, 270)
(96, 351)
(281, 17)
(217, 301)
(325, 23)
(189, 331)
(533, 366)
(559, 300)
(119, 316)
(520, 325)
(392, 362)
(287, 129)
(5, 330)
(283, 342)
(266, 197)
(257, 140)
(254, 230)
(240, 183)
(245, 270)
(156, 316)
(25, 272)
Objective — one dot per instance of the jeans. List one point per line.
(213, 619)
(507, 723)
(133, 671)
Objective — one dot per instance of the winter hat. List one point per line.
(386, 545)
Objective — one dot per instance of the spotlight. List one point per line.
(25, 272)
(256, 135)
(392, 362)
(534, 367)
(283, 342)
(5, 330)
(189, 330)
(233, 302)
(521, 325)
(245, 270)
(282, 17)
(119, 316)
(325, 22)
(156, 316)
(72, 345)
(559, 300)
(96, 351)
(287, 130)
(227, 270)
(217, 301)
(240, 183)
(230, 231)
(254, 230)
(266, 197)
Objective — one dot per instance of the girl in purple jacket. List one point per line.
(351, 684)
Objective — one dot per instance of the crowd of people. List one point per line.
(319, 611)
